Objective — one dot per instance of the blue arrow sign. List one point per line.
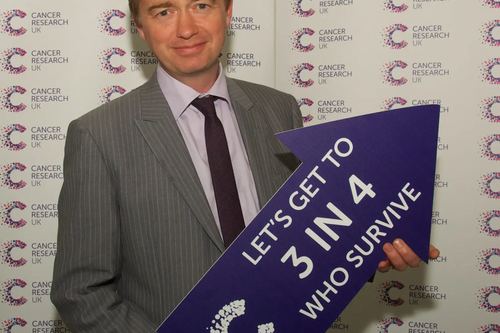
(364, 181)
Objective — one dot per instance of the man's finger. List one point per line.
(433, 252)
(384, 266)
(394, 257)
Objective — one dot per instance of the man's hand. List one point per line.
(400, 256)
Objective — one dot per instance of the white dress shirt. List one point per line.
(191, 123)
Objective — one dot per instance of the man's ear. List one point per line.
(139, 28)
(229, 13)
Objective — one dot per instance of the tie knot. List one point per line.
(205, 105)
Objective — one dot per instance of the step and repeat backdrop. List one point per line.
(339, 58)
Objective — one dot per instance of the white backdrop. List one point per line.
(339, 58)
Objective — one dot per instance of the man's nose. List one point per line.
(186, 25)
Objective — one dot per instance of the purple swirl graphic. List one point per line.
(488, 33)
(295, 75)
(106, 60)
(485, 223)
(6, 253)
(484, 261)
(387, 73)
(105, 21)
(388, 104)
(492, 3)
(383, 325)
(296, 40)
(388, 36)
(384, 289)
(8, 324)
(487, 105)
(6, 141)
(6, 95)
(6, 219)
(297, 9)
(6, 23)
(7, 292)
(105, 94)
(482, 298)
(7, 58)
(485, 146)
(6, 173)
(485, 185)
(486, 71)
(490, 328)
(390, 6)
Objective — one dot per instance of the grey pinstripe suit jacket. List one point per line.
(135, 229)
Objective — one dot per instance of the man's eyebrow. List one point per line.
(163, 4)
(167, 3)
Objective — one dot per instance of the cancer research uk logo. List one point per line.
(491, 3)
(6, 61)
(6, 291)
(105, 60)
(489, 328)
(37, 326)
(415, 293)
(6, 174)
(391, 7)
(106, 93)
(483, 299)
(388, 76)
(389, 103)
(6, 23)
(5, 214)
(486, 147)
(412, 326)
(489, 185)
(383, 325)
(484, 261)
(297, 9)
(485, 220)
(308, 102)
(384, 289)
(487, 109)
(105, 22)
(5, 99)
(295, 75)
(419, 71)
(296, 40)
(487, 33)
(6, 141)
(326, 36)
(388, 33)
(8, 325)
(487, 71)
(7, 255)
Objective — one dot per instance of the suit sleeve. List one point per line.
(88, 262)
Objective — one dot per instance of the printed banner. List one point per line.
(364, 181)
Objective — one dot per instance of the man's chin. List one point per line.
(197, 70)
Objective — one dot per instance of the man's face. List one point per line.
(186, 35)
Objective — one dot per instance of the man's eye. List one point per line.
(163, 13)
(202, 6)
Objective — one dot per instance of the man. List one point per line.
(138, 222)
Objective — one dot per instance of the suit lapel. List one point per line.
(256, 133)
(163, 136)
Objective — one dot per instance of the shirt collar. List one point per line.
(179, 96)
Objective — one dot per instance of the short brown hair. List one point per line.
(134, 9)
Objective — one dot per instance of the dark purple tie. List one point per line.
(221, 169)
